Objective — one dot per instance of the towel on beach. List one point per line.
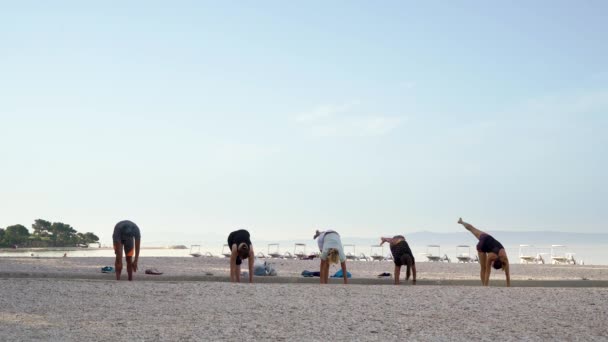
(153, 271)
(339, 274)
(107, 269)
(310, 274)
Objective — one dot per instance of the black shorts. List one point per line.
(401, 261)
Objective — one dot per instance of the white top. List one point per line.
(326, 242)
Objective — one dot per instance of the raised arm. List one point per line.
(385, 239)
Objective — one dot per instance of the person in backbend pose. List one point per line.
(240, 248)
(332, 251)
(402, 255)
(126, 236)
(491, 254)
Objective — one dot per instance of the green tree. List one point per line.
(87, 238)
(15, 235)
(41, 228)
(91, 238)
(2, 237)
(63, 234)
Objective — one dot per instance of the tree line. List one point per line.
(45, 234)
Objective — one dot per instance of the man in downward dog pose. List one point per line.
(126, 236)
(240, 248)
(491, 254)
(402, 255)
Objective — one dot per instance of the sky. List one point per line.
(196, 118)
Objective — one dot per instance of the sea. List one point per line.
(582, 254)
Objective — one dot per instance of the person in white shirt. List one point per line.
(332, 251)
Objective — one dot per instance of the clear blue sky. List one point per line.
(192, 118)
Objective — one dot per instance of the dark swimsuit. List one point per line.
(237, 237)
(488, 244)
(399, 251)
(125, 232)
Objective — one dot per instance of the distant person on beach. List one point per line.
(491, 254)
(332, 251)
(240, 248)
(402, 255)
(126, 236)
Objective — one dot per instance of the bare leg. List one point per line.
(482, 265)
(397, 274)
(130, 268)
(470, 228)
(414, 273)
(118, 261)
(344, 272)
(324, 271)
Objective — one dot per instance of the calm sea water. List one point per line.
(593, 254)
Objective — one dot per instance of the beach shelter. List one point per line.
(377, 252)
(195, 251)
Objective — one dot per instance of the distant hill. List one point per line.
(505, 237)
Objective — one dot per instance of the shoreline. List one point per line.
(305, 280)
(211, 269)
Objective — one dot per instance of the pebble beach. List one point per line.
(69, 299)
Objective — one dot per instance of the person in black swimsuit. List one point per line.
(491, 254)
(240, 248)
(402, 255)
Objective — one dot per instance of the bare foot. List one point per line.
(460, 220)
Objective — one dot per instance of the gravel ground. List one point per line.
(104, 310)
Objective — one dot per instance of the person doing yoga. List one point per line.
(126, 237)
(491, 254)
(331, 249)
(402, 255)
(240, 248)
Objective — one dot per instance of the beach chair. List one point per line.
(311, 256)
(560, 256)
(195, 251)
(528, 254)
(299, 250)
(273, 251)
(376, 252)
(288, 255)
(463, 253)
(349, 251)
(226, 251)
(261, 255)
(433, 252)
(363, 257)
